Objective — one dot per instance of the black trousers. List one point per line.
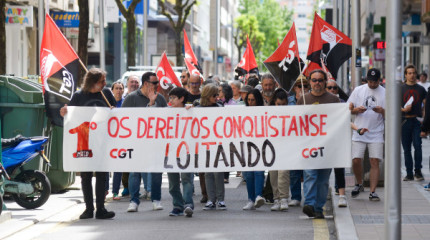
(87, 189)
(339, 176)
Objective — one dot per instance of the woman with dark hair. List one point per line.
(93, 93)
(214, 180)
(226, 94)
(254, 179)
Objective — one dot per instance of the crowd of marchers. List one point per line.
(282, 189)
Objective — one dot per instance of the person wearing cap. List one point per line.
(296, 91)
(413, 97)
(368, 104)
(244, 90)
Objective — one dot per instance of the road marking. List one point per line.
(320, 229)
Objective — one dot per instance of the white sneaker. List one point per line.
(156, 205)
(294, 203)
(342, 201)
(249, 206)
(144, 195)
(283, 204)
(275, 206)
(259, 201)
(132, 207)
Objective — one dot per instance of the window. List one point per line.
(302, 15)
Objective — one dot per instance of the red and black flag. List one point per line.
(59, 65)
(285, 63)
(247, 64)
(189, 54)
(329, 44)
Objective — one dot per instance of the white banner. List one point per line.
(207, 139)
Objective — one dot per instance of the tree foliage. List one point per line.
(182, 10)
(246, 25)
(131, 29)
(274, 22)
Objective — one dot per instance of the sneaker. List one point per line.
(144, 195)
(259, 201)
(102, 213)
(204, 199)
(418, 175)
(294, 203)
(336, 191)
(309, 210)
(176, 212)
(189, 212)
(269, 201)
(283, 204)
(408, 178)
(125, 192)
(427, 187)
(156, 205)
(132, 207)
(226, 181)
(116, 197)
(319, 215)
(221, 205)
(276, 206)
(249, 206)
(342, 201)
(209, 206)
(374, 197)
(357, 189)
(87, 214)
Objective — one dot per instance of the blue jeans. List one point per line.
(146, 181)
(254, 184)
(116, 182)
(411, 129)
(134, 179)
(180, 201)
(296, 184)
(156, 186)
(315, 187)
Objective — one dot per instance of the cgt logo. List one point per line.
(313, 152)
(121, 153)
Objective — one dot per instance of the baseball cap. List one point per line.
(245, 88)
(373, 74)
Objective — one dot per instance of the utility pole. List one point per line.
(356, 45)
(392, 204)
(145, 32)
(41, 20)
(102, 35)
(216, 37)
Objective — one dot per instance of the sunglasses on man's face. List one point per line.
(300, 86)
(155, 83)
(320, 80)
(182, 76)
(332, 87)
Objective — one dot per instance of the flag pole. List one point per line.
(86, 70)
(301, 82)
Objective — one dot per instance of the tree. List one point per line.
(84, 25)
(273, 21)
(182, 10)
(131, 29)
(2, 38)
(247, 25)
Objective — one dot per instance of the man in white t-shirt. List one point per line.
(423, 81)
(368, 104)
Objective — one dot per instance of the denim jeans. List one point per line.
(254, 184)
(296, 184)
(215, 186)
(134, 179)
(411, 129)
(315, 187)
(180, 200)
(146, 181)
(155, 186)
(116, 182)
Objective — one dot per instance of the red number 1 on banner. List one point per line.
(83, 132)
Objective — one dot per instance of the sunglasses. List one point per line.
(330, 87)
(195, 83)
(215, 95)
(300, 86)
(182, 76)
(155, 83)
(320, 80)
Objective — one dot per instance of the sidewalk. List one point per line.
(364, 219)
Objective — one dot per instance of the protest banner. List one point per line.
(207, 139)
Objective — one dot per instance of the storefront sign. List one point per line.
(19, 15)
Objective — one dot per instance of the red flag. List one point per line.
(192, 69)
(328, 43)
(283, 64)
(165, 73)
(189, 53)
(59, 65)
(247, 64)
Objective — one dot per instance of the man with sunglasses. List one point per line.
(333, 88)
(146, 96)
(316, 181)
(194, 88)
(185, 76)
(368, 104)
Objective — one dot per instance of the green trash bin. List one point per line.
(22, 111)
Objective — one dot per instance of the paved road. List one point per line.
(231, 224)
